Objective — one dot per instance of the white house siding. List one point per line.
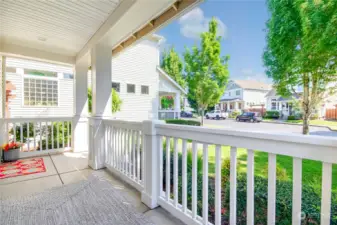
(65, 90)
(254, 97)
(137, 65)
(231, 94)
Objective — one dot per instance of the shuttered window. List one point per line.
(40, 92)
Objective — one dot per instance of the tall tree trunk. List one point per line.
(306, 104)
(202, 116)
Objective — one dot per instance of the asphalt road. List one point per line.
(267, 127)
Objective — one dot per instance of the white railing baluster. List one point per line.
(218, 185)
(194, 179)
(142, 158)
(134, 154)
(250, 187)
(326, 193)
(271, 188)
(126, 141)
(14, 133)
(130, 152)
(41, 134)
(52, 135)
(63, 141)
(47, 135)
(68, 134)
(58, 134)
(120, 149)
(112, 145)
(34, 134)
(175, 172)
(117, 148)
(205, 185)
(21, 136)
(168, 165)
(138, 156)
(160, 147)
(297, 191)
(184, 176)
(233, 174)
(27, 139)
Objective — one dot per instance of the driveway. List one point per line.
(267, 127)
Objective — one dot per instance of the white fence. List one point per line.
(38, 136)
(122, 156)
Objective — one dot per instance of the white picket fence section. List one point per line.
(39, 136)
(123, 157)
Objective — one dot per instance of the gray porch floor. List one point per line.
(69, 168)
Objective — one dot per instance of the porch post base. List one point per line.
(96, 143)
(149, 201)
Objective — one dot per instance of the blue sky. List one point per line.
(242, 25)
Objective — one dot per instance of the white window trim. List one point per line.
(41, 78)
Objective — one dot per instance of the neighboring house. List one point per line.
(140, 82)
(34, 89)
(275, 102)
(243, 94)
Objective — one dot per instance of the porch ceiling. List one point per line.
(62, 27)
(64, 31)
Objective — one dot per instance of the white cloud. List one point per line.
(249, 74)
(193, 23)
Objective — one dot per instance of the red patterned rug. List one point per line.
(22, 167)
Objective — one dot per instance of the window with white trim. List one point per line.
(40, 92)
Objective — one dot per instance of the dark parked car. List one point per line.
(186, 114)
(249, 116)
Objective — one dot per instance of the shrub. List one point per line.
(272, 115)
(183, 122)
(314, 116)
(291, 117)
(234, 114)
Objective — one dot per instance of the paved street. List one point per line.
(267, 127)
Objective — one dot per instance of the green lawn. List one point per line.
(331, 124)
(312, 170)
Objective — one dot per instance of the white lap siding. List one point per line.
(137, 65)
(65, 90)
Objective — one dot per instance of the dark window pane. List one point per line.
(116, 86)
(131, 88)
(145, 89)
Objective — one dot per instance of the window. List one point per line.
(40, 92)
(238, 92)
(40, 73)
(68, 76)
(145, 90)
(131, 88)
(116, 86)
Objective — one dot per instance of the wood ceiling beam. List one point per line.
(170, 13)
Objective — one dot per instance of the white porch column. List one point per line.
(228, 107)
(101, 102)
(236, 106)
(177, 104)
(80, 120)
(151, 173)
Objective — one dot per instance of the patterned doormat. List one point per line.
(22, 167)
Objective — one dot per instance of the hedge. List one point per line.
(291, 117)
(183, 122)
(311, 198)
(272, 115)
(234, 114)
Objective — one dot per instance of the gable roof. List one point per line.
(163, 73)
(252, 84)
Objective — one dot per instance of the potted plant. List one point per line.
(11, 151)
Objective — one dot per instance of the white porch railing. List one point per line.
(122, 157)
(168, 114)
(39, 136)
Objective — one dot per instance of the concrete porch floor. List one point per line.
(63, 169)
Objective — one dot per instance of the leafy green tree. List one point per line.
(172, 64)
(301, 50)
(207, 72)
(116, 101)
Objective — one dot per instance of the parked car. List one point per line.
(217, 114)
(250, 116)
(186, 114)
